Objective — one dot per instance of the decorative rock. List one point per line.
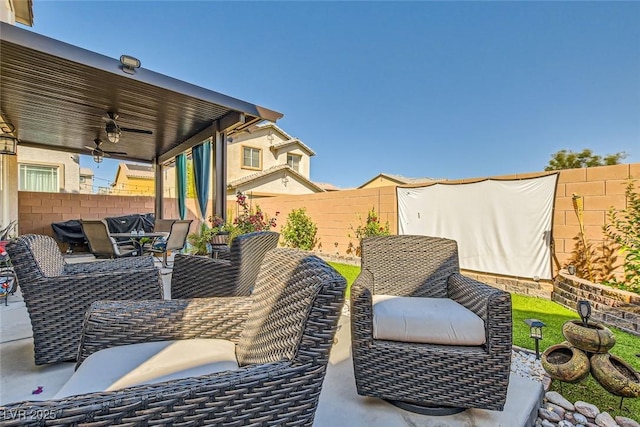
(603, 419)
(592, 425)
(587, 409)
(548, 415)
(555, 408)
(565, 423)
(580, 419)
(546, 423)
(626, 422)
(556, 398)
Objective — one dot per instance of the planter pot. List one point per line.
(594, 338)
(565, 363)
(615, 375)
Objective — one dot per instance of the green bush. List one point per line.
(623, 228)
(299, 231)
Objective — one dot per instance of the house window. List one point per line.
(83, 180)
(38, 178)
(251, 157)
(293, 160)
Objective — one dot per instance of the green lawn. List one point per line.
(554, 315)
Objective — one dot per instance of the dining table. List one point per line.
(136, 238)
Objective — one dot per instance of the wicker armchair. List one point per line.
(58, 294)
(422, 377)
(197, 276)
(283, 334)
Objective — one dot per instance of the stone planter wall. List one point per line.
(610, 306)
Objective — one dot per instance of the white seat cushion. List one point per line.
(129, 365)
(425, 320)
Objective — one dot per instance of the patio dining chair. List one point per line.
(101, 244)
(175, 241)
(58, 294)
(197, 276)
(425, 337)
(258, 360)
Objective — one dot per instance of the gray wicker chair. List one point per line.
(197, 276)
(58, 294)
(418, 375)
(283, 334)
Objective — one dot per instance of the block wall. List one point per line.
(36, 211)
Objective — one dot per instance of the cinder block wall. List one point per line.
(36, 211)
(337, 212)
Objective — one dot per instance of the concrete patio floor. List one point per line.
(339, 405)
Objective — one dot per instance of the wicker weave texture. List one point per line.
(198, 277)
(278, 393)
(426, 374)
(58, 295)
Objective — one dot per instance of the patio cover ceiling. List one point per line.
(58, 95)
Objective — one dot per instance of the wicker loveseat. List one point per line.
(283, 334)
(58, 294)
(427, 377)
(197, 276)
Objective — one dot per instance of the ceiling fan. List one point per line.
(114, 130)
(98, 153)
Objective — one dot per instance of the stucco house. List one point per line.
(264, 161)
(52, 172)
(385, 179)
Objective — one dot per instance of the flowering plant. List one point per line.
(249, 220)
(371, 228)
(218, 224)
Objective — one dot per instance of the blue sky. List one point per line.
(420, 89)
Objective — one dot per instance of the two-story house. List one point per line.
(266, 161)
(52, 172)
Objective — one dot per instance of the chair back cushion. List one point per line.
(178, 235)
(246, 253)
(406, 265)
(426, 320)
(34, 257)
(286, 292)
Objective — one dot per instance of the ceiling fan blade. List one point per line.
(147, 132)
(89, 148)
(121, 153)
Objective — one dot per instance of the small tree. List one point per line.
(623, 228)
(567, 159)
(299, 231)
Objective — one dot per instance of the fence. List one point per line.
(337, 212)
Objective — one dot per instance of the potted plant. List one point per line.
(219, 232)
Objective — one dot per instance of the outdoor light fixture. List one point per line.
(584, 310)
(129, 64)
(97, 156)
(113, 132)
(8, 145)
(535, 332)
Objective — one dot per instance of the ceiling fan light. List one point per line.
(113, 133)
(97, 157)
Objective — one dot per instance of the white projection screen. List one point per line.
(501, 226)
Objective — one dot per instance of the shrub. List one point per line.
(299, 231)
(623, 228)
(371, 228)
